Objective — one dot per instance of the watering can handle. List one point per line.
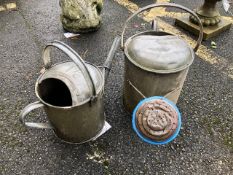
(27, 110)
(165, 5)
(76, 59)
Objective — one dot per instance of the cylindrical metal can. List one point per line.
(156, 63)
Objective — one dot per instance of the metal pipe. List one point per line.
(108, 63)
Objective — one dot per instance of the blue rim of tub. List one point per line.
(150, 141)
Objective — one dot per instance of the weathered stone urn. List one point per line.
(208, 13)
(214, 24)
(79, 16)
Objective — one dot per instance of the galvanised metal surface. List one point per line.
(159, 52)
(156, 63)
(139, 84)
(156, 120)
(71, 94)
(73, 78)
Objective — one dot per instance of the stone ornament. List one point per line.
(208, 13)
(80, 16)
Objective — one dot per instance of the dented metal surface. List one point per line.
(159, 52)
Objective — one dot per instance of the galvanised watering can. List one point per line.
(156, 62)
(71, 94)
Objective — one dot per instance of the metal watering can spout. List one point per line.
(108, 62)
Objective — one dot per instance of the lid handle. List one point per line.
(72, 54)
(165, 5)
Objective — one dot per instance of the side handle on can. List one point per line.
(27, 110)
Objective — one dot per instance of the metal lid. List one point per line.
(156, 120)
(160, 54)
(70, 74)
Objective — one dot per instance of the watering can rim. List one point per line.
(98, 89)
(154, 70)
